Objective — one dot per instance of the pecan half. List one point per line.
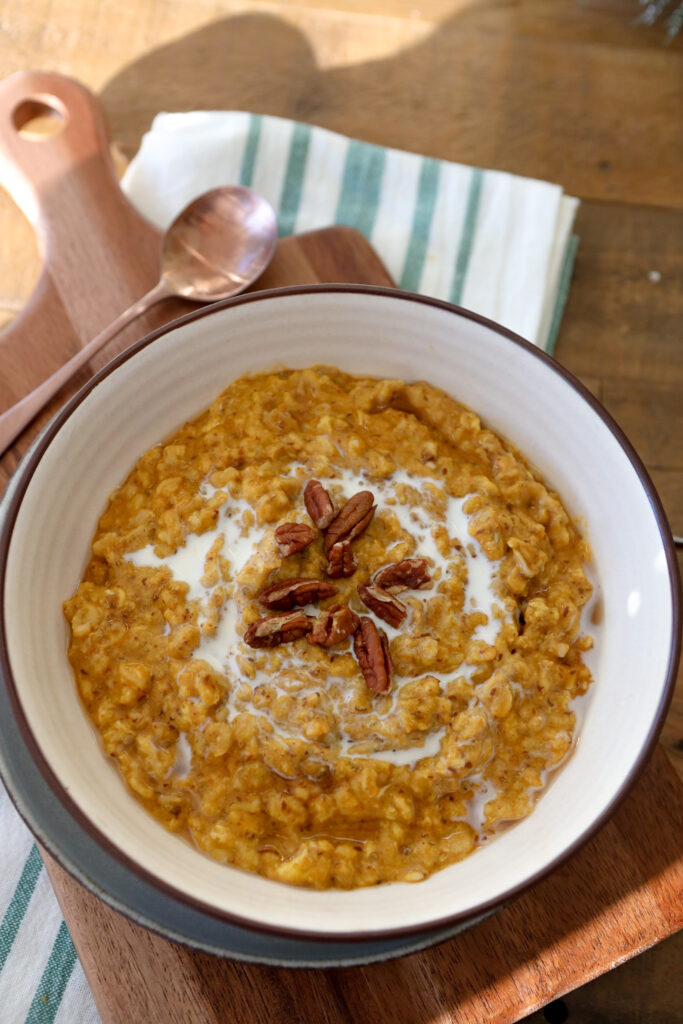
(291, 593)
(340, 560)
(318, 504)
(333, 626)
(371, 648)
(410, 574)
(278, 629)
(383, 604)
(351, 519)
(293, 537)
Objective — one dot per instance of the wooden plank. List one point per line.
(625, 309)
(646, 990)
(651, 415)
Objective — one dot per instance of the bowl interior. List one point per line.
(518, 394)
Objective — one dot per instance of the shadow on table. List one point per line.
(263, 64)
(488, 87)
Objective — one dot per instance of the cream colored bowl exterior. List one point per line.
(148, 396)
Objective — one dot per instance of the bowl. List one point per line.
(51, 510)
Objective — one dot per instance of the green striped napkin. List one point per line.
(493, 242)
(41, 980)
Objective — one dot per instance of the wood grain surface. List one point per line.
(576, 92)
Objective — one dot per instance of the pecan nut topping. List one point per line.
(371, 648)
(410, 574)
(278, 629)
(293, 537)
(340, 560)
(318, 504)
(333, 626)
(383, 604)
(288, 594)
(351, 519)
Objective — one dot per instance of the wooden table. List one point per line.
(572, 92)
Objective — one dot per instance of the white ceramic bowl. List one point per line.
(145, 395)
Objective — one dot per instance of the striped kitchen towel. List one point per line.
(490, 241)
(41, 981)
(493, 242)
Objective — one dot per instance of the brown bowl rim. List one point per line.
(28, 467)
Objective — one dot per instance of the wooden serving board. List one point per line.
(619, 895)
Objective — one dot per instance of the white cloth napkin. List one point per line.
(41, 980)
(493, 242)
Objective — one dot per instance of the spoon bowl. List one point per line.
(219, 244)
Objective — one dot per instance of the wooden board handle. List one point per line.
(99, 254)
(36, 168)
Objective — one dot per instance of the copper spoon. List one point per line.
(215, 248)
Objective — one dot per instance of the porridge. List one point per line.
(330, 630)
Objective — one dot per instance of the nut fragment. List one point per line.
(351, 519)
(278, 629)
(293, 537)
(410, 574)
(371, 648)
(333, 626)
(288, 594)
(318, 504)
(340, 560)
(383, 604)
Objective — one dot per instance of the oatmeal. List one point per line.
(330, 630)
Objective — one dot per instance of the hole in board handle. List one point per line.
(37, 119)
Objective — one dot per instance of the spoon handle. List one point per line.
(18, 416)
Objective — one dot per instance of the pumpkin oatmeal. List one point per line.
(330, 630)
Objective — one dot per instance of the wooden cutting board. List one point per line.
(619, 895)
